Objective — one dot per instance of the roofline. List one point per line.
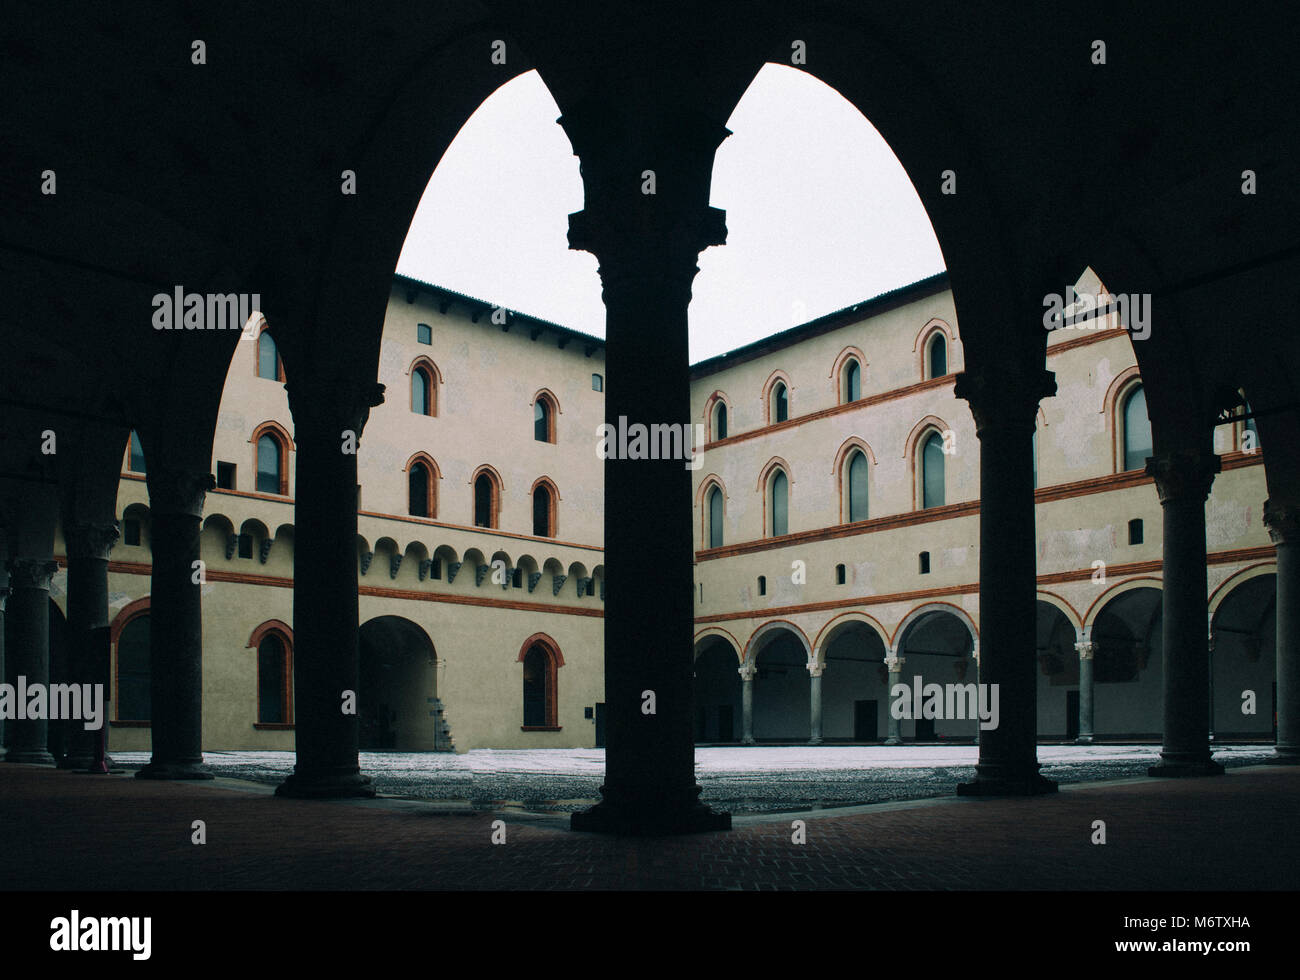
(446, 298)
(823, 324)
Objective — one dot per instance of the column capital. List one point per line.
(647, 244)
(1085, 649)
(91, 539)
(747, 672)
(1183, 475)
(815, 669)
(175, 490)
(895, 664)
(31, 573)
(1282, 521)
(326, 408)
(1004, 399)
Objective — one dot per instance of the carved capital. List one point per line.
(895, 664)
(1004, 400)
(31, 573)
(173, 490)
(649, 246)
(747, 672)
(1183, 475)
(1085, 649)
(325, 409)
(815, 669)
(1282, 521)
(91, 540)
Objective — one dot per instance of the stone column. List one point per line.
(1183, 482)
(88, 547)
(176, 498)
(1005, 405)
(895, 665)
(1283, 523)
(815, 671)
(1085, 650)
(747, 703)
(29, 654)
(647, 240)
(329, 416)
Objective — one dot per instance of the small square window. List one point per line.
(762, 585)
(225, 476)
(131, 531)
(925, 563)
(839, 574)
(424, 333)
(1135, 531)
(597, 383)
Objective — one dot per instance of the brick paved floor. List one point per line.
(75, 832)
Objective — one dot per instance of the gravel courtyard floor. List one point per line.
(753, 779)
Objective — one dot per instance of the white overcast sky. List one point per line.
(820, 215)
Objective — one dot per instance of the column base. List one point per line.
(648, 819)
(329, 784)
(174, 770)
(748, 740)
(893, 740)
(30, 757)
(1083, 740)
(1180, 768)
(1004, 781)
(815, 740)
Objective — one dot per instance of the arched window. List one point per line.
(857, 486)
(715, 517)
(485, 501)
(778, 504)
(136, 464)
(274, 681)
(932, 463)
(543, 420)
(720, 420)
(133, 699)
(852, 380)
(938, 350)
(780, 402)
(268, 358)
(540, 687)
(1137, 430)
(420, 491)
(421, 391)
(270, 465)
(543, 511)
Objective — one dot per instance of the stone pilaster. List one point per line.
(1004, 404)
(28, 614)
(329, 416)
(1283, 523)
(1183, 481)
(176, 496)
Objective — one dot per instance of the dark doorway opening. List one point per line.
(866, 720)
